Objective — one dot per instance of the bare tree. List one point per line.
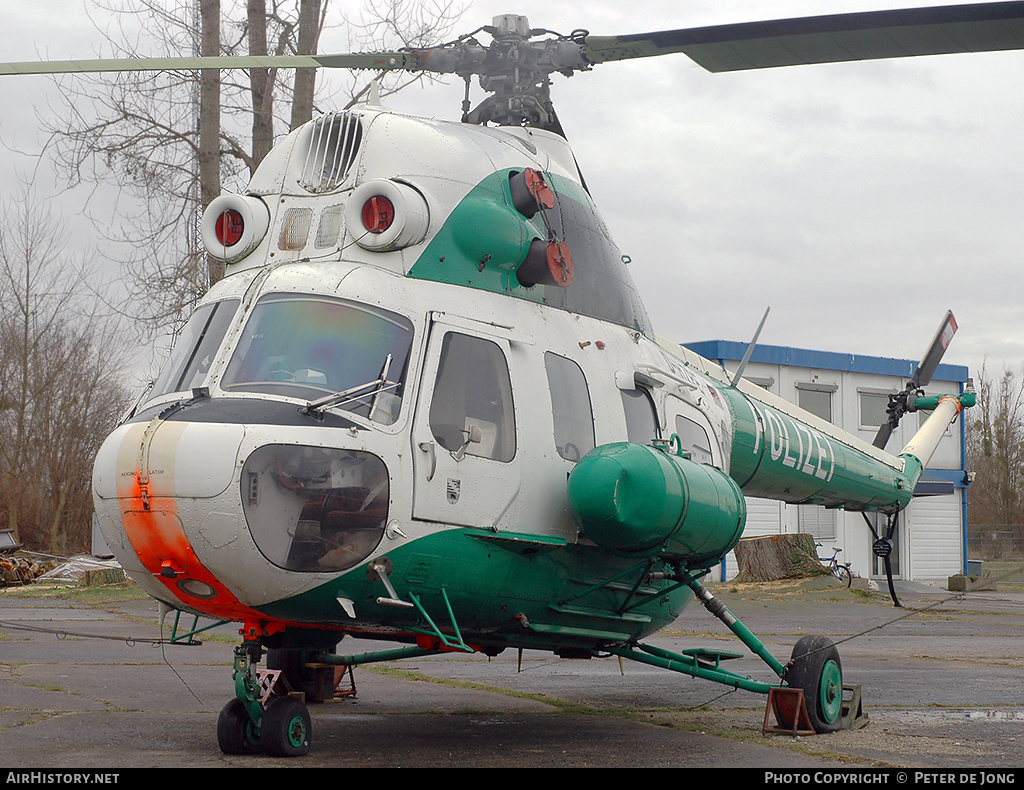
(995, 454)
(208, 155)
(169, 141)
(59, 393)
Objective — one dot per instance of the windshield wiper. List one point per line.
(379, 385)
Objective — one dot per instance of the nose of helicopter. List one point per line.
(149, 482)
(194, 511)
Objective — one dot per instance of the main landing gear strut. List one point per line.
(814, 672)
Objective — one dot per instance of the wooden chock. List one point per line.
(787, 704)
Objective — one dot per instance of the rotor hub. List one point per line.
(515, 69)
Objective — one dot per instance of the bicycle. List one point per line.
(839, 570)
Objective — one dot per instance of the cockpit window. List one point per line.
(312, 347)
(315, 509)
(602, 286)
(195, 348)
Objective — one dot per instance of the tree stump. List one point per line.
(770, 557)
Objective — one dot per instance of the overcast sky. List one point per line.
(859, 201)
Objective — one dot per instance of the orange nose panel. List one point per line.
(156, 534)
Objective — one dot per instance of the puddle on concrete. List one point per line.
(959, 714)
(995, 715)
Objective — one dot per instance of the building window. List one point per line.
(816, 399)
(765, 383)
(816, 521)
(873, 406)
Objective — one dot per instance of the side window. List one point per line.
(694, 440)
(641, 417)
(473, 390)
(570, 407)
(195, 348)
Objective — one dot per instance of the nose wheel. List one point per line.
(286, 728)
(255, 722)
(236, 732)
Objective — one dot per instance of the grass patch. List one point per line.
(72, 591)
(1008, 574)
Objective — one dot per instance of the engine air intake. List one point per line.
(332, 149)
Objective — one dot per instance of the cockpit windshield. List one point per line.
(309, 347)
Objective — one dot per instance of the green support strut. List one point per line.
(695, 663)
(719, 610)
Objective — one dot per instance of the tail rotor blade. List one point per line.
(900, 402)
(882, 437)
(930, 362)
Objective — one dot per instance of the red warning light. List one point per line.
(378, 214)
(229, 227)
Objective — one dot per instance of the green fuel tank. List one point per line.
(641, 501)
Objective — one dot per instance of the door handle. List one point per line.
(428, 448)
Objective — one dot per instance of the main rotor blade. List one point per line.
(377, 61)
(982, 27)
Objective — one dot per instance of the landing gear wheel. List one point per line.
(815, 668)
(844, 575)
(286, 728)
(235, 733)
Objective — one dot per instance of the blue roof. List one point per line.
(721, 350)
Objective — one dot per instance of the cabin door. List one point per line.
(464, 432)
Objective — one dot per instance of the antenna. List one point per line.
(750, 349)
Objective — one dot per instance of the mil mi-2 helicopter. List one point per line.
(426, 405)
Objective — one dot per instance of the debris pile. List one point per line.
(26, 567)
(23, 568)
(87, 570)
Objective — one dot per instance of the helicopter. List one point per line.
(426, 405)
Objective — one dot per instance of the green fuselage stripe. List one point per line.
(501, 596)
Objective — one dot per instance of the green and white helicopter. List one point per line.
(426, 405)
